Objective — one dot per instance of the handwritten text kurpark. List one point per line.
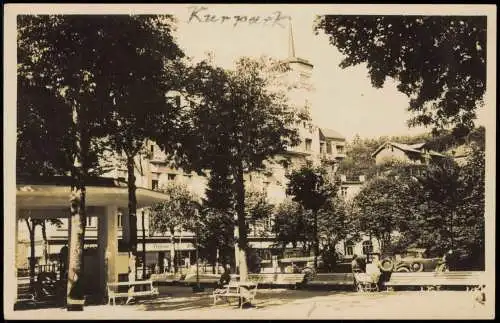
(201, 15)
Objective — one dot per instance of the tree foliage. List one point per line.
(439, 209)
(80, 72)
(177, 212)
(385, 205)
(235, 117)
(217, 217)
(313, 189)
(292, 225)
(439, 62)
(258, 210)
(359, 160)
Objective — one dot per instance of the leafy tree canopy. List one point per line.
(235, 115)
(439, 62)
(311, 187)
(177, 212)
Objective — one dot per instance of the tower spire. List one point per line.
(291, 44)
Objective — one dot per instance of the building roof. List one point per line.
(329, 133)
(414, 148)
(54, 192)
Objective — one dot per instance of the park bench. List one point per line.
(278, 278)
(343, 279)
(147, 289)
(434, 280)
(290, 279)
(166, 277)
(245, 292)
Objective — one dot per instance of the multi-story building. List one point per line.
(318, 146)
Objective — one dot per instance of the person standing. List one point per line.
(450, 260)
(63, 262)
(166, 265)
(355, 264)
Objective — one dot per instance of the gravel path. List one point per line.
(181, 303)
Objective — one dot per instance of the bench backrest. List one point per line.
(269, 278)
(336, 277)
(291, 278)
(466, 277)
(118, 287)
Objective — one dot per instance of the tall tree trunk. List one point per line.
(316, 239)
(173, 260)
(452, 214)
(242, 230)
(144, 248)
(31, 230)
(75, 283)
(132, 210)
(45, 242)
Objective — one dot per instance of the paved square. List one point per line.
(180, 303)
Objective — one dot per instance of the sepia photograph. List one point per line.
(238, 161)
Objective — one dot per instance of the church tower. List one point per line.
(300, 91)
(299, 75)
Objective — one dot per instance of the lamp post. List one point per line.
(197, 288)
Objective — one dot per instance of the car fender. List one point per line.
(403, 269)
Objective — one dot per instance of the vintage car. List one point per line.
(415, 260)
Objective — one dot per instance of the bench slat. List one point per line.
(436, 279)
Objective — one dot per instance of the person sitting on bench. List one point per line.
(225, 278)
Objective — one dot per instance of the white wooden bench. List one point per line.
(278, 278)
(434, 280)
(290, 279)
(130, 293)
(342, 279)
(245, 292)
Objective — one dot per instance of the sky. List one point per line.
(343, 100)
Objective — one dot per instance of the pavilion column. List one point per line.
(16, 244)
(107, 246)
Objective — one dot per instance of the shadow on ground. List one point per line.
(182, 298)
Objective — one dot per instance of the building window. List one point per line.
(329, 147)
(152, 149)
(367, 247)
(90, 221)
(340, 149)
(343, 191)
(154, 184)
(171, 177)
(322, 147)
(119, 217)
(308, 144)
(268, 224)
(349, 248)
(121, 179)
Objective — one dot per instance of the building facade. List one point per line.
(318, 146)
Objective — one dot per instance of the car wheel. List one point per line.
(387, 265)
(417, 267)
(403, 270)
